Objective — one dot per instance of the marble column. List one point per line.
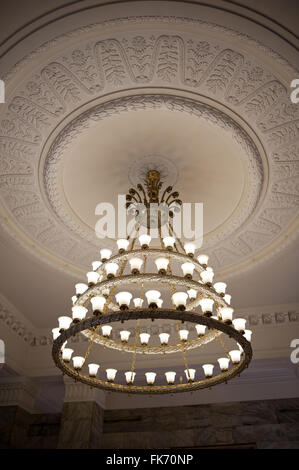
(82, 417)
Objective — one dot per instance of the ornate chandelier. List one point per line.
(187, 284)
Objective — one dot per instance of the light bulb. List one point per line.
(130, 376)
(189, 249)
(111, 373)
(200, 329)
(190, 374)
(111, 270)
(144, 338)
(162, 265)
(96, 265)
(208, 370)
(227, 298)
(74, 299)
(138, 302)
(183, 335)
(122, 245)
(239, 324)
(169, 242)
(203, 260)
(105, 254)
(93, 369)
(123, 299)
(79, 313)
(159, 303)
(150, 377)
(164, 337)
(220, 288)
(207, 277)
(152, 296)
(81, 288)
(235, 356)
(135, 264)
(98, 303)
(223, 363)
(144, 241)
(170, 377)
(192, 294)
(248, 335)
(207, 306)
(124, 336)
(188, 269)
(106, 330)
(92, 278)
(67, 354)
(226, 314)
(179, 299)
(78, 362)
(55, 333)
(64, 323)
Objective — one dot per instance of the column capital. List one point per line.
(78, 392)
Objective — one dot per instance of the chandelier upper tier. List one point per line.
(125, 287)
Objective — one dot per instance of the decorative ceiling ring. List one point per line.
(148, 314)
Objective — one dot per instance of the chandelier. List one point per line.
(199, 309)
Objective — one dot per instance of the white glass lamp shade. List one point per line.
(226, 314)
(190, 374)
(93, 369)
(152, 297)
(130, 376)
(192, 294)
(78, 362)
(138, 302)
(79, 312)
(189, 249)
(92, 277)
(111, 269)
(55, 333)
(144, 338)
(64, 322)
(96, 265)
(169, 242)
(123, 299)
(150, 377)
(162, 265)
(124, 336)
(67, 354)
(239, 324)
(135, 264)
(98, 303)
(227, 298)
(74, 299)
(188, 269)
(220, 287)
(183, 334)
(170, 377)
(81, 288)
(111, 373)
(106, 330)
(223, 363)
(122, 244)
(235, 356)
(208, 370)
(248, 335)
(164, 337)
(207, 276)
(206, 306)
(159, 303)
(105, 254)
(144, 240)
(179, 300)
(203, 260)
(200, 329)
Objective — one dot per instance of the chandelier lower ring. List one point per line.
(93, 322)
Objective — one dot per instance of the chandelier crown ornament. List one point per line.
(179, 290)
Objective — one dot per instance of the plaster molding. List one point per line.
(20, 392)
(78, 392)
